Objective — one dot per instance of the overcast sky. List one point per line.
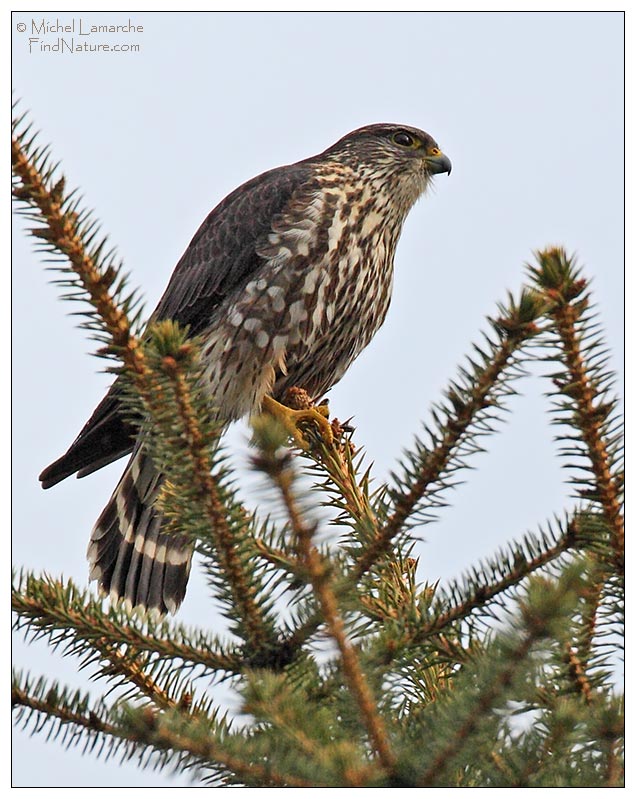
(528, 106)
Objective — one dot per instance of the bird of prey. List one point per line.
(286, 282)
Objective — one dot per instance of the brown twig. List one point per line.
(337, 461)
(576, 672)
(439, 457)
(124, 665)
(89, 721)
(590, 421)
(227, 547)
(161, 736)
(566, 301)
(318, 570)
(152, 729)
(486, 592)
(50, 612)
(61, 231)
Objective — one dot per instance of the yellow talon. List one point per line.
(291, 418)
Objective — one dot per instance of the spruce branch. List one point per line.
(65, 614)
(468, 403)
(283, 476)
(168, 733)
(559, 279)
(506, 571)
(282, 561)
(608, 723)
(89, 272)
(196, 741)
(542, 614)
(54, 704)
(312, 733)
(72, 235)
(349, 494)
(425, 622)
(588, 411)
(258, 633)
(126, 666)
(350, 663)
(488, 698)
(338, 469)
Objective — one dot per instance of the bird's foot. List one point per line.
(297, 414)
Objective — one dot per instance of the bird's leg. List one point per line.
(301, 410)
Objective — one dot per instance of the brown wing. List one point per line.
(220, 258)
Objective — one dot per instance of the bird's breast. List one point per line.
(321, 293)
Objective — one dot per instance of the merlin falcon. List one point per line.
(286, 282)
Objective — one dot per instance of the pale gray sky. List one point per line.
(528, 106)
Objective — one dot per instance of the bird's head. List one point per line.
(399, 158)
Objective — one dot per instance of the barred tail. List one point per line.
(129, 554)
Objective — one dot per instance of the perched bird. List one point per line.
(286, 281)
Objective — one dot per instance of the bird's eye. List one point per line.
(403, 138)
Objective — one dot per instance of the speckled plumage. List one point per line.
(287, 280)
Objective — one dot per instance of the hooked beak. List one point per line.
(436, 162)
